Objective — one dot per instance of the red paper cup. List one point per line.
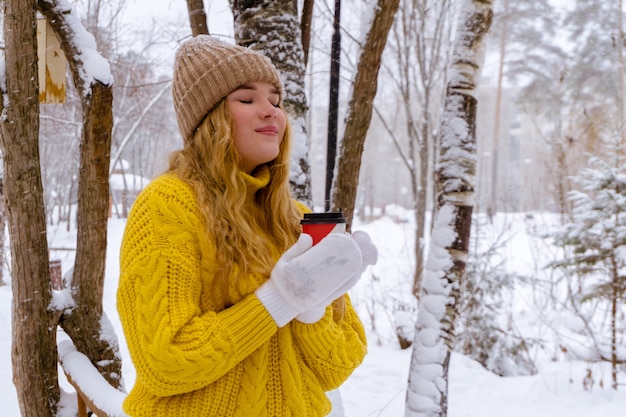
(318, 225)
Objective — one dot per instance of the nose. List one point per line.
(268, 110)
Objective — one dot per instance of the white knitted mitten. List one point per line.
(369, 254)
(307, 275)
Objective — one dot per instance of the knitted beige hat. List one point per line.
(206, 70)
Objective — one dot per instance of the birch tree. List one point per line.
(427, 392)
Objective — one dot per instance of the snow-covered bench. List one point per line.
(93, 392)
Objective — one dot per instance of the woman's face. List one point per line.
(259, 123)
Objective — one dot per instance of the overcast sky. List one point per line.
(218, 12)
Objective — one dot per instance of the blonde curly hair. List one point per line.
(209, 163)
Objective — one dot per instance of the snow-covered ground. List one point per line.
(377, 388)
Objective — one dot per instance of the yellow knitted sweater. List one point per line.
(196, 354)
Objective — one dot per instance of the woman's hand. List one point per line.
(306, 276)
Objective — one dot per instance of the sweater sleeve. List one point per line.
(332, 347)
(177, 346)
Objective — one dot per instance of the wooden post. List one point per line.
(333, 105)
(56, 274)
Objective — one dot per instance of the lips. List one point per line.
(267, 130)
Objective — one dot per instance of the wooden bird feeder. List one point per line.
(51, 62)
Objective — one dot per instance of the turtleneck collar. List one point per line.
(257, 180)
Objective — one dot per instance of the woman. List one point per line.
(226, 307)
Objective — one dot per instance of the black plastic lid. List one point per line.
(330, 217)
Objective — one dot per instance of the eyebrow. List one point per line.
(252, 87)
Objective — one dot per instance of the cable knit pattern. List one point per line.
(197, 354)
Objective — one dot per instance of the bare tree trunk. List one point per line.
(360, 108)
(84, 324)
(197, 17)
(616, 291)
(3, 223)
(406, 34)
(87, 323)
(621, 69)
(34, 354)
(305, 28)
(272, 26)
(427, 393)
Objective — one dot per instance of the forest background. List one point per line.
(550, 137)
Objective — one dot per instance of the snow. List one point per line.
(62, 300)
(95, 66)
(130, 182)
(378, 386)
(79, 368)
(3, 82)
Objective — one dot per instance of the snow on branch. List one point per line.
(83, 374)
